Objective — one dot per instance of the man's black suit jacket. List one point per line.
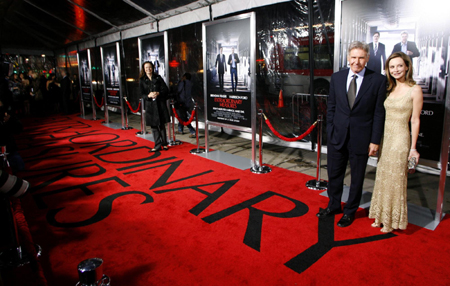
(221, 64)
(66, 87)
(375, 61)
(364, 123)
(410, 46)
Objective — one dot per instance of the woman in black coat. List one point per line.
(154, 90)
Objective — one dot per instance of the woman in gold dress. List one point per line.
(403, 105)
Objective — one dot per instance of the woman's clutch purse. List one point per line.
(412, 165)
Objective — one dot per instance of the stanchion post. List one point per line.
(318, 184)
(260, 169)
(82, 111)
(143, 125)
(197, 150)
(94, 107)
(90, 273)
(174, 141)
(105, 106)
(14, 256)
(125, 115)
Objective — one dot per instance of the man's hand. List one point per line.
(373, 149)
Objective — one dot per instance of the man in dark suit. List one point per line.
(66, 88)
(233, 60)
(156, 65)
(220, 61)
(406, 47)
(355, 121)
(377, 55)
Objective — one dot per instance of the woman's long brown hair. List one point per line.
(142, 73)
(392, 83)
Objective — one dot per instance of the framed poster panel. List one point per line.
(403, 26)
(154, 49)
(421, 30)
(111, 74)
(228, 62)
(84, 70)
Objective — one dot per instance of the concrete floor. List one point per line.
(422, 186)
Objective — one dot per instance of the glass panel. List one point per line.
(185, 56)
(131, 69)
(285, 47)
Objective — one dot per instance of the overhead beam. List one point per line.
(137, 7)
(44, 25)
(56, 17)
(38, 36)
(93, 14)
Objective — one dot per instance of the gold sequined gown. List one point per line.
(389, 206)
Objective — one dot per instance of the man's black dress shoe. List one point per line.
(346, 220)
(327, 212)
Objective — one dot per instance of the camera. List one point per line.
(11, 185)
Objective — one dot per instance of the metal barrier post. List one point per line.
(318, 184)
(94, 107)
(105, 106)
(14, 256)
(174, 141)
(260, 169)
(82, 111)
(198, 150)
(143, 125)
(125, 114)
(90, 273)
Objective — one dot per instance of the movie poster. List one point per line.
(152, 49)
(228, 74)
(405, 26)
(84, 70)
(111, 74)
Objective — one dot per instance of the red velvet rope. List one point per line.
(181, 121)
(131, 108)
(300, 137)
(96, 103)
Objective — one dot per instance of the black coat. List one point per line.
(376, 62)
(365, 122)
(221, 63)
(156, 111)
(410, 46)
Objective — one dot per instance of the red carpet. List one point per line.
(174, 218)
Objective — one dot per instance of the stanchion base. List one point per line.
(261, 169)
(174, 143)
(127, 128)
(10, 257)
(197, 151)
(317, 185)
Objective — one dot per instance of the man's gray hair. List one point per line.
(358, 45)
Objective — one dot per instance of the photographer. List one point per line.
(9, 126)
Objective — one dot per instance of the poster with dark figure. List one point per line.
(228, 77)
(151, 49)
(84, 70)
(111, 73)
(405, 26)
